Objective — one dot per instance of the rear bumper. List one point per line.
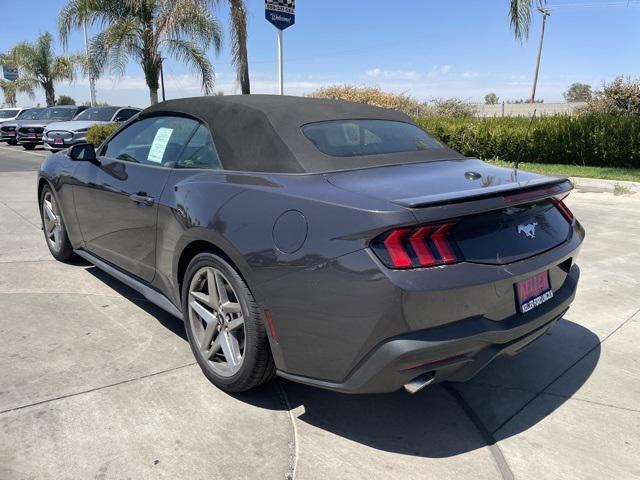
(454, 351)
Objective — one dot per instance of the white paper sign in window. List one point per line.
(159, 145)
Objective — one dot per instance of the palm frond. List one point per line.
(520, 14)
(192, 55)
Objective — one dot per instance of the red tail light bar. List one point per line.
(426, 246)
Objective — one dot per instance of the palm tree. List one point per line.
(520, 13)
(10, 89)
(38, 64)
(144, 30)
(240, 58)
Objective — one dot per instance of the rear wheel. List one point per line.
(55, 232)
(224, 325)
(28, 146)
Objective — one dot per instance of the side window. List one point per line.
(151, 141)
(125, 114)
(200, 152)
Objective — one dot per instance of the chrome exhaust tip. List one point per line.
(418, 383)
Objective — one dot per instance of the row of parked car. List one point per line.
(58, 127)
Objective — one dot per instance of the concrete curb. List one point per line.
(596, 185)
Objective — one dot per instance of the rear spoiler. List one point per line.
(512, 193)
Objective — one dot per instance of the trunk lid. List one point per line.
(500, 215)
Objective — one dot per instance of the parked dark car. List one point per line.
(332, 243)
(29, 132)
(8, 129)
(61, 135)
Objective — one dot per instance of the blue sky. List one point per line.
(425, 48)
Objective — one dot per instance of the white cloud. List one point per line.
(470, 74)
(392, 74)
(438, 70)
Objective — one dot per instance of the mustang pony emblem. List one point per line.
(529, 229)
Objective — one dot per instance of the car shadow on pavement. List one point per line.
(441, 421)
(165, 319)
(450, 419)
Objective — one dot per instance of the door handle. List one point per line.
(141, 198)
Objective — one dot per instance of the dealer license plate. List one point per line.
(534, 291)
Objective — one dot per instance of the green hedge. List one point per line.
(99, 133)
(594, 140)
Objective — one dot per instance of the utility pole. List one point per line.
(545, 13)
(92, 84)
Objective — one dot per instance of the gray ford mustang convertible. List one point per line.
(331, 243)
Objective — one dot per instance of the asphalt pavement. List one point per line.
(95, 382)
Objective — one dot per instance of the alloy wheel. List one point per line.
(52, 221)
(217, 321)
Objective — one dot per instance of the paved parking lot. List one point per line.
(95, 382)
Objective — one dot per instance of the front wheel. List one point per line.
(224, 326)
(12, 142)
(28, 146)
(55, 232)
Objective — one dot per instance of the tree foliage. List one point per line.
(369, 95)
(38, 65)
(578, 92)
(11, 89)
(146, 31)
(65, 100)
(491, 99)
(520, 14)
(620, 97)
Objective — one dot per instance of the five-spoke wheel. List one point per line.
(53, 225)
(217, 320)
(224, 325)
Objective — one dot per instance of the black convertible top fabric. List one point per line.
(262, 133)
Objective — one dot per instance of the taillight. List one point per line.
(425, 246)
(564, 210)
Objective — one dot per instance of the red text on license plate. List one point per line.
(58, 141)
(31, 135)
(534, 291)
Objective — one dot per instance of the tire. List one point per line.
(55, 232)
(255, 365)
(12, 142)
(28, 146)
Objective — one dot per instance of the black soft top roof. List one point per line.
(262, 133)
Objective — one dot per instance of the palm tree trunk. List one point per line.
(244, 76)
(50, 93)
(238, 13)
(153, 95)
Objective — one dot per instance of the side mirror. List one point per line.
(83, 152)
(119, 119)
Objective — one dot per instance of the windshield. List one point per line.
(30, 114)
(8, 113)
(55, 113)
(350, 138)
(103, 114)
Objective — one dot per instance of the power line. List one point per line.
(625, 4)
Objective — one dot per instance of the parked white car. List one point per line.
(8, 114)
(60, 135)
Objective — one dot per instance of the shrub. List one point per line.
(453, 107)
(620, 97)
(593, 140)
(371, 96)
(99, 133)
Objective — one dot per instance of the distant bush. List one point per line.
(593, 140)
(453, 107)
(620, 97)
(369, 95)
(99, 133)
